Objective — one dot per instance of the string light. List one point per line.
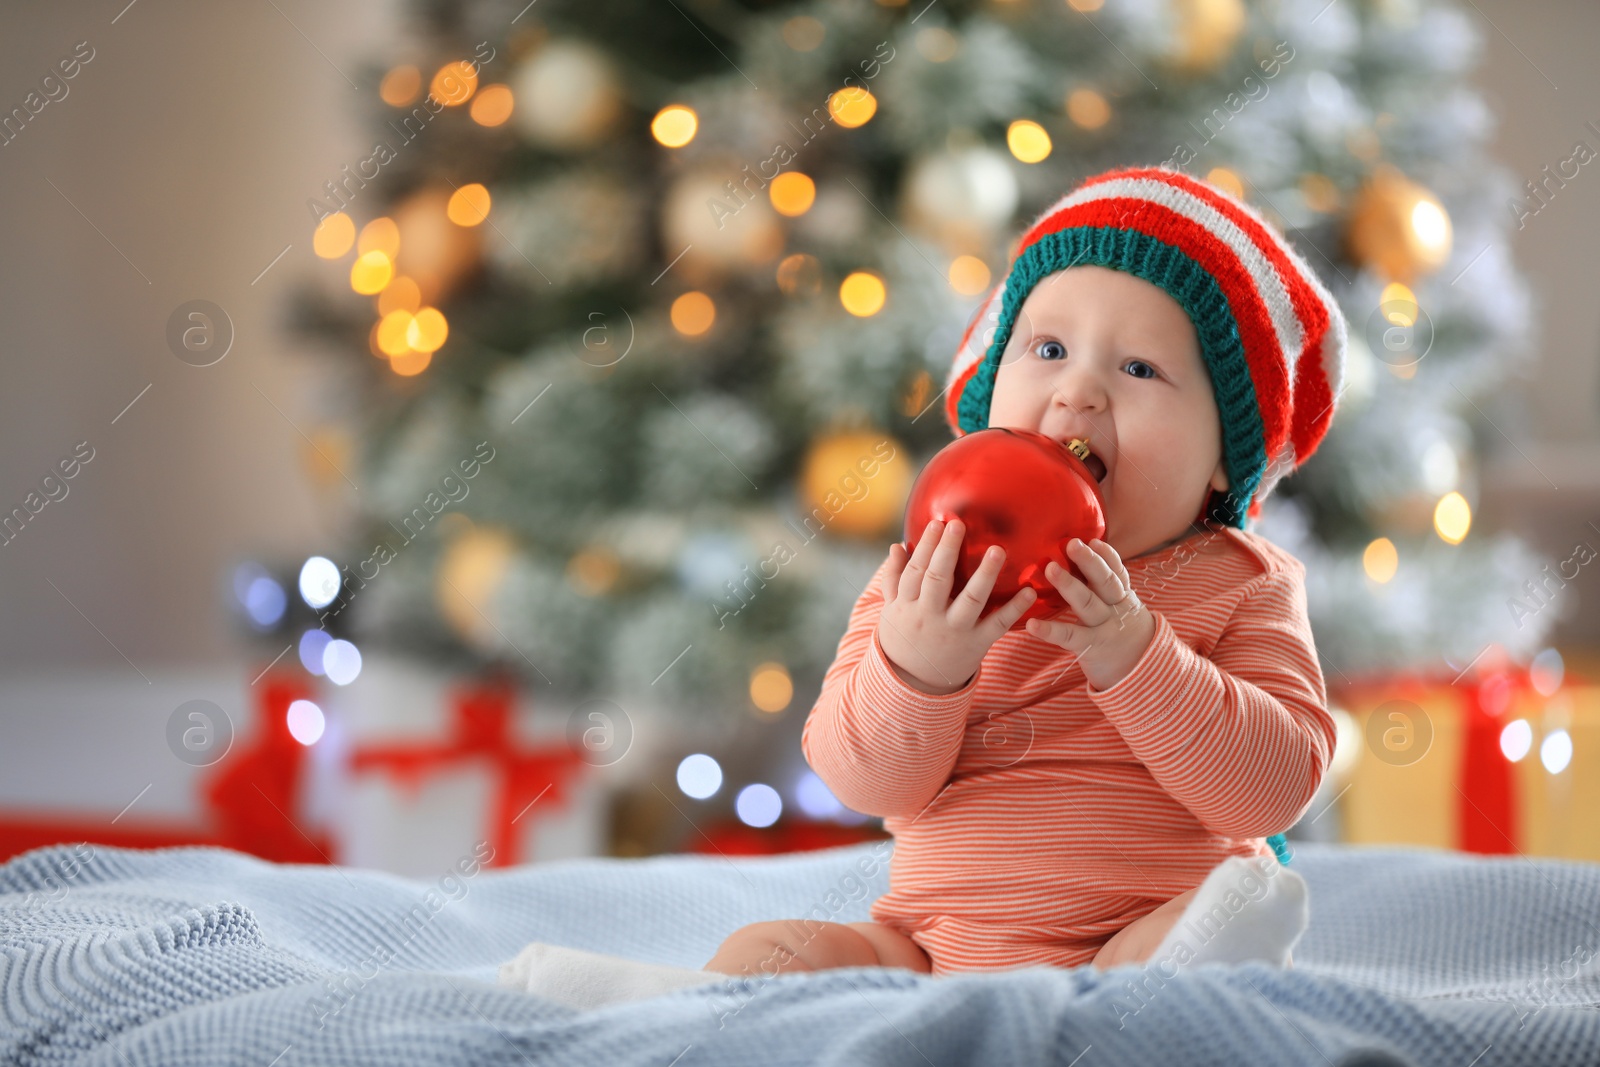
(380, 235)
(427, 330)
(699, 776)
(401, 294)
(1452, 517)
(693, 313)
(400, 86)
(469, 205)
(771, 688)
(370, 273)
(493, 105)
(792, 193)
(305, 722)
(1028, 141)
(1226, 180)
(969, 275)
(852, 107)
(1516, 740)
(862, 293)
(799, 274)
(454, 83)
(1380, 560)
(758, 805)
(333, 236)
(392, 330)
(674, 125)
(1088, 109)
(410, 364)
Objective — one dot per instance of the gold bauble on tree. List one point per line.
(720, 230)
(566, 95)
(1397, 228)
(855, 482)
(961, 197)
(473, 565)
(434, 252)
(1206, 33)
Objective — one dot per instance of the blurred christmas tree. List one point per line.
(678, 284)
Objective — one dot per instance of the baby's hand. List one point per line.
(1114, 628)
(935, 643)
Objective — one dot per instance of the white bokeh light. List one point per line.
(312, 644)
(1556, 751)
(815, 798)
(758, 805)
(306, 722)
(699, 776)
(341, 662)
(1516, 740)
(319, 581)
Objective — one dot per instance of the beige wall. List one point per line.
(191, 142)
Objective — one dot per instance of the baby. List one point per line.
(1096, 787)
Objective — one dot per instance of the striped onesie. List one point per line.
(1034, 816)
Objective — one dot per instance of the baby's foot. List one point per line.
(1246, 909)
(585, 980)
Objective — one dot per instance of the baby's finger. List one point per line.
(941, 575)
(966, 608)
(1065, 634)
(1005, 616)
(1104, 582)
(1113, 560)
(917, 566)
(891, 572)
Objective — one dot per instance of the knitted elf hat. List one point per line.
(1273, 339)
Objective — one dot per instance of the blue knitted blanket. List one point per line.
(122, 958)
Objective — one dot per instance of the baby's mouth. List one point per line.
(1096, 465)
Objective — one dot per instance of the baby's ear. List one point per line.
(1219, 478)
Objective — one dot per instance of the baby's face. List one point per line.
(1104, 355)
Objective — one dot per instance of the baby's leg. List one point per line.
(1215, 926)
(791, 945)
(1134, 942)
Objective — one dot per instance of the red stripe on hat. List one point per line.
(1266, 362)
(1313, 392)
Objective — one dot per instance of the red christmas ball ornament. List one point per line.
(1019, 489)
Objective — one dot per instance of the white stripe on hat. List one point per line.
(1269, 286)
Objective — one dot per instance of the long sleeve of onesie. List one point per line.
(1242, 738)
(882, 747)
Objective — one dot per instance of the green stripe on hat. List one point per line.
(1195, 290)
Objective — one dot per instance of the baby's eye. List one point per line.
(1052, 350)
(1146, 366)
